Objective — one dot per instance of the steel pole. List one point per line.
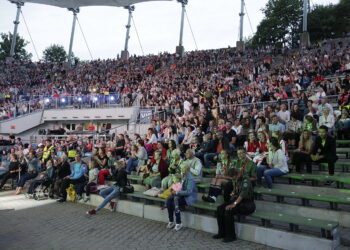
(128, 26)
(305, 10)
(182, 22)
(14, 35)
(75, 11)
(241, 15)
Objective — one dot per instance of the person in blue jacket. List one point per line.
(187, 196)
(78, 170)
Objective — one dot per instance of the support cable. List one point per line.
(189, 24)
(30, 36)
(87, 45)
(250, 23)
(137, 34)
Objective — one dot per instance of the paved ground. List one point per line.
(28, 224)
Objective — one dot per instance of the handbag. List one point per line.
(152, 192)
(128, 188)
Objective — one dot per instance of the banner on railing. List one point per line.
(145, 115)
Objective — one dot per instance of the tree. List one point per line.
(329, 21)
(55, 53)
(20, 51)
(281, 25)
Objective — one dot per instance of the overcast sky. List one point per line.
(215, 25)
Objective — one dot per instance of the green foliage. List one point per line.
(5, 47)
(329, 21)
(55, 53)
(281, 25)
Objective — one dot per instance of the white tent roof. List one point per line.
(82, 3)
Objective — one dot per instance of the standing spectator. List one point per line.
(187, 196)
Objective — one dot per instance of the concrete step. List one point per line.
(268, 236)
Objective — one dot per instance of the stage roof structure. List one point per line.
(73, 4)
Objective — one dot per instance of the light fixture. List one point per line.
(63, 100)
(111, 98)
(80, 99)
(47, 100)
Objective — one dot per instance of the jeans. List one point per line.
(259, 173)
(24, 178)
(268, 174)
(131, 165)
(109, 194)
(170, 204)
(208, 159)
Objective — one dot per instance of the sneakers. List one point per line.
(170, 225)
(178, 227)
(86, 199)
(79, 197)
(112, 205)
(61, 200)
(91, 212)
(211, 199)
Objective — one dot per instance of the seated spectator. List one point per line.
(237, 127)
(79, 168)
(158, 171)
(324, 150)
(276, 125)
(343, 125)
(219, 144)
(13, 170)
(172, 149)
(138, 157)
(92, 180)
(303, 153)
(310, 124)
(45, 177)
(251, 145)
(245, 165)
(222, 167)
(174, 168)
(294, 127)
(187, 196)
(112, 192)
(32, 171)
(195, 165)
(277, 164)
(101, 161)
(327, 119)
(284, 114)
(62, 170)
(238, 199)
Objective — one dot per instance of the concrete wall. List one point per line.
(88, 114)
(21, 124)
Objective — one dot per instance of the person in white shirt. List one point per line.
(327, 119)
(284, 114)
(237, 127)
(324, 103)
(187, 106)
(277, 161)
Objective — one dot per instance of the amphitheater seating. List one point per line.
(293, 222)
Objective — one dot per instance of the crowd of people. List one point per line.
(223, 77)
(203, 128)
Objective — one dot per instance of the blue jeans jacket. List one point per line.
(189, 190)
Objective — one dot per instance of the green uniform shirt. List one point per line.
(247, 166)
(243, 188)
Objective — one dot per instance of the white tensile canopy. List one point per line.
(82, 3)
